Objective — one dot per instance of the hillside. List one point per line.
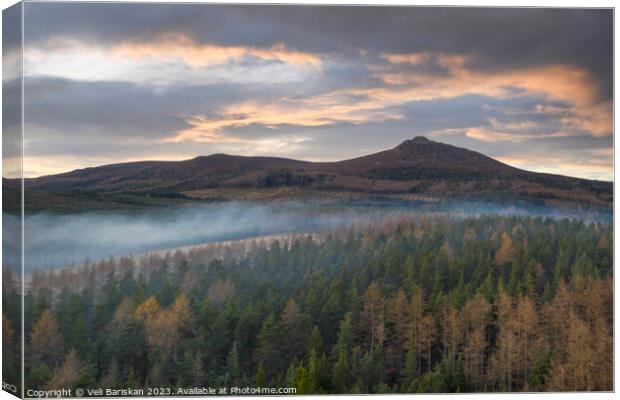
(415, 167)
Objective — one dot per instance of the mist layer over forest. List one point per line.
(61, 240)
(429, 304)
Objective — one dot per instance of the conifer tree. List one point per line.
(46, 343)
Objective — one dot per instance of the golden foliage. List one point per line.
(506, 251)
(373, 316)
(45, 340)
(69, 373)
(148, 309)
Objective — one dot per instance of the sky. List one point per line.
(108, 83)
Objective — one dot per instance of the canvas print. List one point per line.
(208, 199)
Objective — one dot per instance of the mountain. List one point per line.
(415, 167)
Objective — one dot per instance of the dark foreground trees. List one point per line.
(428, 305)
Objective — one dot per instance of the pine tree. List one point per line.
(341, 369)
(294, 323)
(232, 364)
(269, 344)
(301, 380)
(316, 341)
(346, 336)
(260, 376)
(412, 365)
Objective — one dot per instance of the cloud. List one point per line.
(522, 37)
(491, 135)
(172, 59)
(11, 40)
(314, 111)
(562, 165)
(310, 82)
(563, 83)
(380, 103)
(171, 46)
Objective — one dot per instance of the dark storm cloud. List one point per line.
(66, 117)
(120, 111)
(498, 38)
(12, 29)
(65, 105)
(11, 91)
(11, 103)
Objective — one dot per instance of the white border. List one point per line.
(477, 3)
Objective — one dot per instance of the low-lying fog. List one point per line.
(64, 240)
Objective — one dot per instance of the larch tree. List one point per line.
(475, 316)
(451, 333)
(574, 372)
(46, 343)
(198, 373)
(184, 315)
(526, 330)
(147, 309)
(69, 373)
(504, 359)
(426, 338)
(416, 314)
(373, 317)
(556, 318)
(506, 251)
(400, 318)
(8, 333)
(111, 376)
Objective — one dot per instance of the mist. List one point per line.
(63, 240)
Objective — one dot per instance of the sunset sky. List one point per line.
(107, 83)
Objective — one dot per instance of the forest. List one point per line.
(427, 304)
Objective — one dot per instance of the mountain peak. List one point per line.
(416, 140)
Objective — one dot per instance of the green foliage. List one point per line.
(260, 377)
(542, 367)
(364, 311)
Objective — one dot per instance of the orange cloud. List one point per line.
(412, 58)
(493, 135)
(196, 55)
(448, 61)
(564, 83)
(313, 111)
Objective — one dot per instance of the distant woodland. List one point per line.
(426, 304)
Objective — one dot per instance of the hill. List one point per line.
(416, 167)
